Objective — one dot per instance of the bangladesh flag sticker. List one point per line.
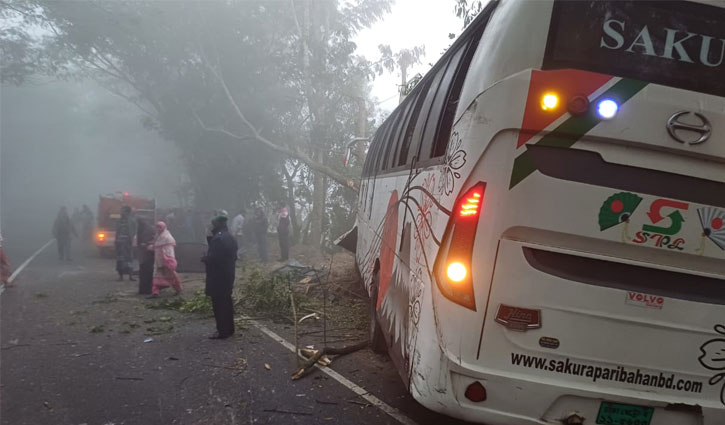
(618, 208)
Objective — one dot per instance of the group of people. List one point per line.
(63, 231)
(259, 226)
(66, 227)
(154, 253)
(157, 263)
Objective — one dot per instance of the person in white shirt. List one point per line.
(238, 233)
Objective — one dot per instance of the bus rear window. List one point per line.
(678, 44)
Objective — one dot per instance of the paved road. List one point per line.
(73, 352)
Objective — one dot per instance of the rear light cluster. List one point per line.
(453, 265)
(101, 236)
(578, 104)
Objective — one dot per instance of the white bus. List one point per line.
(541, 220)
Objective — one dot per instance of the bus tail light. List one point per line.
(453, 266)
(101, 237)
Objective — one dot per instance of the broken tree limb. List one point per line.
(297, 337)
(292, 152)
(317, 355)
(289, 412)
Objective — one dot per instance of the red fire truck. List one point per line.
(109, 211)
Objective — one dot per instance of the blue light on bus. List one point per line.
(607, 108)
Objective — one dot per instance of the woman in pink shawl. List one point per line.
(5, 269)
(164, 261)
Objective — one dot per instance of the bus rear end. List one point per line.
(598, 265)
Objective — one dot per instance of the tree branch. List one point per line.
(219, 130)
(294, 153)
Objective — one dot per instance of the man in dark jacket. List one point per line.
(144, 238)
(220, 263)
(125, 232)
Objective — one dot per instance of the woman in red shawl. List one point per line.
(164, 261)
(5, 270)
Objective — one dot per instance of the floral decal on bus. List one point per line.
(454, 161)
(712, 357)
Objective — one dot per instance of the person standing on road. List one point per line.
(125, 231)
(259, 226)
(164, 261)
(87, 224)
(63, 231)
(144, 239)
(5, 269)
(220, 262)
(283, 225)
(238, 232)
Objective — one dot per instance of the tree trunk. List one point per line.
(318, 207)
(362, 124)
(292, 205)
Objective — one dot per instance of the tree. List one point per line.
(468, 10)
(403, 60)
(241, 87)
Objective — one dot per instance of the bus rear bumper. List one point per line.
(515, 400)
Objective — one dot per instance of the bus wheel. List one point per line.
(377, 338)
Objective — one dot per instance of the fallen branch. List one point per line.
(256, 134)
(7, 347)
(316, 355)
(236, 369)
(289, 412)
(343, 328)
(294, 316)
(327, 402)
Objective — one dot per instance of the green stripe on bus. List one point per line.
(571, 130)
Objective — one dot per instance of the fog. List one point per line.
(66, 143)
(244, 105)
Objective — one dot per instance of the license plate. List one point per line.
(624, 414)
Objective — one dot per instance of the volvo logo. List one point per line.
(676, 128)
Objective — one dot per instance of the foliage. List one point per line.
(240, 87)
(264, 293)
(402, 60)
(468, 10)
(198, 303)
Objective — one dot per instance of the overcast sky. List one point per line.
(410, 23)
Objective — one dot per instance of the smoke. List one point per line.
(65, 143)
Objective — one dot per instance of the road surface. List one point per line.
(73, 352)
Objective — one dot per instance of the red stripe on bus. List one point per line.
(564, 83)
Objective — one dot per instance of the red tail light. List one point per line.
(471, 205)
(101, 236)
(453, 267)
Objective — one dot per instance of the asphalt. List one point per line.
(73, 351)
